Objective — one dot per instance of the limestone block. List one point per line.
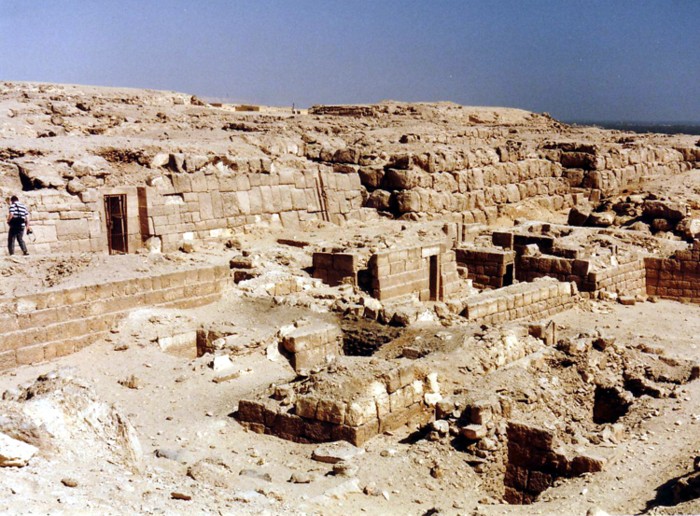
(407, 201)
(530, 435)
(15, 453)
(474, 432)
(306, 406)
(331, 410)
(318, 431)
(335, 452)
(361, 412)
(243, 202)
(250, 411)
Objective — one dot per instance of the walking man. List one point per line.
(17, 221)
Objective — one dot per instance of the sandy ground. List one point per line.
(195, 457)
(178, 408)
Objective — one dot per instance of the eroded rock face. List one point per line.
(14, 452)
(60, 415)
(336, 163)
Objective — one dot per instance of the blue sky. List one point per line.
(590, 60)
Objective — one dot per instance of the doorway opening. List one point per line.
(434, 278)
(117, 231)
(508, 276)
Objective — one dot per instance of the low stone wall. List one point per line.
(312, 345)
(334, 268)
(532, 267)
(535, 462)
(55, 323)
(487, 267)
(344, 110)
(428, 271)
(676, 277)
(392, 399)
(509, 240)
(625, 278)
(538, 300)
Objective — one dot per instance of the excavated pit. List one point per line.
(522, 410)
(609, 404)
(520, 437)
(363, 337)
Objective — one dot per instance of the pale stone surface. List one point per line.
(335, 452)
(15, 453)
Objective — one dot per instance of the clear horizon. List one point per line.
(624, 61)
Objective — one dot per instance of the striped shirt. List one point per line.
(19, 210)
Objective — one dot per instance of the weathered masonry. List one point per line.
(188, 203)
(59, 322)
(554, 259)
(429, 271)
(675, 277)
(374, 398)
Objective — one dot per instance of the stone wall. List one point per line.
(487, 267)
(393, 398)
(613, 168)
(198, 204)
(64, 223)
(205, 203)
(428, 271)
(470, 182)
(535, 462)
(312, 345)
(334, 268)
(625, 278)
(517, 241)
(538, 300)
(59, 322)
(676, 277)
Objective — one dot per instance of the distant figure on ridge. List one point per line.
(17, 220)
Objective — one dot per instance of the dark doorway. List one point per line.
(115, 214)
(508, 276)
(434, 278)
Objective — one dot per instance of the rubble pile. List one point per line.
(412, 308)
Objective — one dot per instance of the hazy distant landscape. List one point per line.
(646, 127)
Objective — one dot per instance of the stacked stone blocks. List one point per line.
(676, 277)
(335, 268)
(402, 272)
(55, 323)
(393, 399)
(535, 462)
(486, 267)
(313, 345)
(625, 278)
(537, 300)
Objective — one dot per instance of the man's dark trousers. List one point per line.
(17, 233)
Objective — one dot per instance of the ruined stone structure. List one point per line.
(675, 277)
(430, 272)
(533, 301)
(58, 322)
(534, 463)
(394, 241)
(488, 267)
(351, 403)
